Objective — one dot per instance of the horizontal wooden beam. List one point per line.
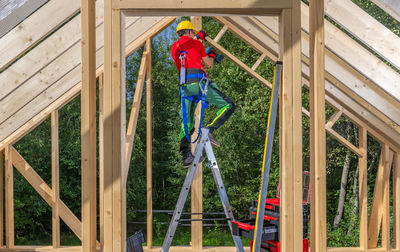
(207, 7)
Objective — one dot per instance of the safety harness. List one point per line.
(201, 96)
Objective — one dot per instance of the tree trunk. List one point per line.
(343, 183)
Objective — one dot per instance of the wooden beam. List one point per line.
(101, 160)
(249, 7)
(45, 191)
(334, 118)
(396, 201)
(377, 207)
(88, 125)
(317, 127)
(9, 197)
(239, 63)
(363, 188)
(27, 34)
(221, 33)
(258, 62)
(114, 130)
(1, 198)
(133, 118)
(385, 232)
(149, 147)
(196, 199)
(246, 39)
(344, 141)
(290, 147)
(55, 179)
(366, 28)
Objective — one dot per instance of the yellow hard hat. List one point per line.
(185, 25)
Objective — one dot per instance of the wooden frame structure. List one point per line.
(273, 38)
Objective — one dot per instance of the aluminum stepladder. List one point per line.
(204, 143)
(267, 158)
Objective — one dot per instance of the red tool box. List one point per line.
(270, 233)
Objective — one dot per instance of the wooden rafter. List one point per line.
(28, 33)
(391, 7)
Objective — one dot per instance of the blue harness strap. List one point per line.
(201, 96)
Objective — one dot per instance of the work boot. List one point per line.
(212, 139)
(187, 159)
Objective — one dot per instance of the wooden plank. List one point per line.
(101, 162)
(246, 39)
(207, 6)
(358, 58)
(391, 7)
(221, 33)
(344, 141)
(267, 31)
(45, 191)
(396, 201)
(62, 85)
(385, 232)
(363, 187)
(290, 130)
(365, 28)
(88, 125)
(377, 208)
(239, 63)
(55, 179)
(133, 118)
(1, 198)
(317, 127)
(258, 62)
(196, 199)
(28, 33)
(149, 147)
(9, 197)
(334, 118)
(19, 14)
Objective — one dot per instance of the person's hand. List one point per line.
(211, 53)
(201, 35)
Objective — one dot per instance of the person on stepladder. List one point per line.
(195, 56)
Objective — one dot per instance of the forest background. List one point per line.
(239, 157)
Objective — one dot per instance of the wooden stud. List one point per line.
(290, 147)
(9, 197)
(221, 33)
(396, 201)
(1, 198)
(317, 127)
(385, 232)
(363, 188)
(101, 162)
(197, 184)
(149, 148)
(114, 130)
(378, 207)
(55, 179)
(133, 118)
(88, 125)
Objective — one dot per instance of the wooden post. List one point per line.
(114, 129)
(1, 198)
(88, 125)
(387, 162)
(149, 147)
(197, 184)
(317, 126)
(55, 179)
(363, 188)
(290, 123)
(396, 201)
(101, 161)
(9, 203)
